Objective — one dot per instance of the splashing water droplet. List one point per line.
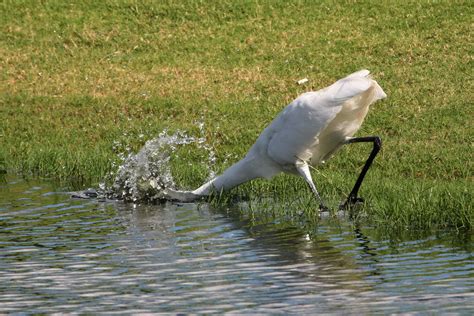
(144, 176)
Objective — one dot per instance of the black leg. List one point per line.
(352, 198)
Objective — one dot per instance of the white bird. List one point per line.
(307, 132)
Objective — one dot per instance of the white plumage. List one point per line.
(308, 131)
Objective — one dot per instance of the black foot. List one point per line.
(351, 202)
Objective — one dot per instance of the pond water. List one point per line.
(59, 254)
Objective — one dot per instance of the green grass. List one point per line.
(81, 82)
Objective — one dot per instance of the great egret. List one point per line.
(307, 132)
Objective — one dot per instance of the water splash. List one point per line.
(144, 176)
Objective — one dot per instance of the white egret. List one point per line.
(307, 132)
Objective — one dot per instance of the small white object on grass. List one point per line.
(302, 81)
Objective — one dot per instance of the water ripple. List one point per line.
(62, 255)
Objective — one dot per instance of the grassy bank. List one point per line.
(82, 82)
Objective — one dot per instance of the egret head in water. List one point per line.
(307, 132)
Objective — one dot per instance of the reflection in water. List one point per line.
(64, 255)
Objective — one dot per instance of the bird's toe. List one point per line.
(351, 202)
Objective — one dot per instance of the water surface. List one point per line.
(59, 254)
